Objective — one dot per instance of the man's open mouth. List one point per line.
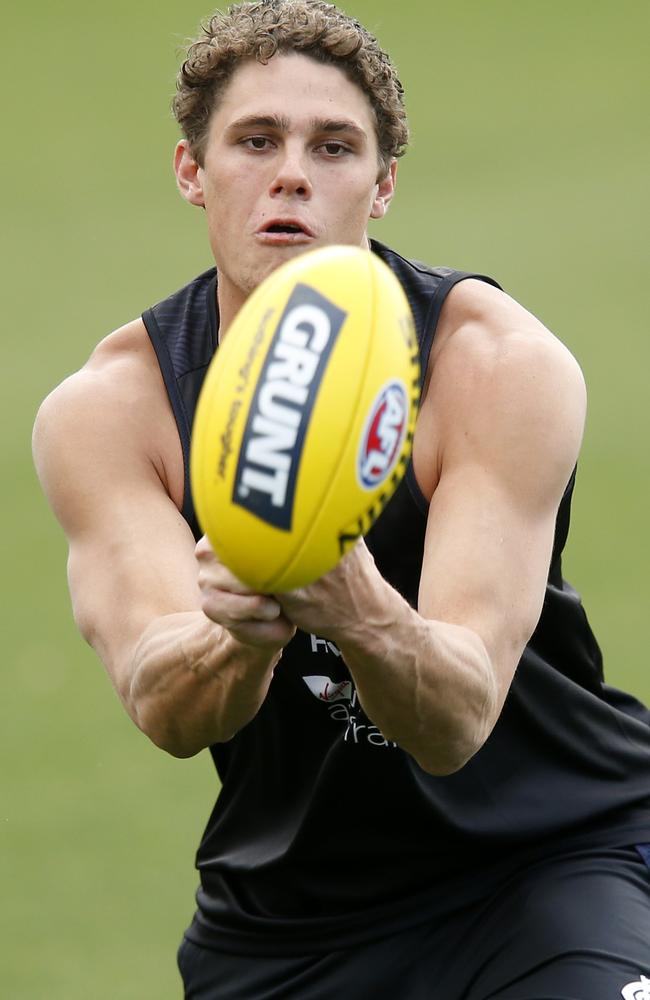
(277, 228)
(286, 227)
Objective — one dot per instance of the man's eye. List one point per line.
(257, 141)
(334, 148)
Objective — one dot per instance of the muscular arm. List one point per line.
(106, 450)
(497, 439)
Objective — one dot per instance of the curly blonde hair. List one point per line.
(259, 30)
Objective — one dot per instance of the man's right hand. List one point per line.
(252, 618)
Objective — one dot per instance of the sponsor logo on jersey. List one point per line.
(326, 689)
(274, 436)
(342, 702)
(637, 991)
(383, 435)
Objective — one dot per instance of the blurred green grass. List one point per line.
(529, 161)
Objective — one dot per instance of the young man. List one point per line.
(428, 791)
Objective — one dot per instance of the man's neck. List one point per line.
(229, 302)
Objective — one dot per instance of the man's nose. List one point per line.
(291, 177)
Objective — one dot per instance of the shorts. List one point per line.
(574, 927)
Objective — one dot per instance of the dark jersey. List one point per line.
(324, 832)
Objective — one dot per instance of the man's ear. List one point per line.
(189, 175)
(385, 192)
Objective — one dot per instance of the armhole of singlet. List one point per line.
(430, 325)
(177, 404)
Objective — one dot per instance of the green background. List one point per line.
(529, 161)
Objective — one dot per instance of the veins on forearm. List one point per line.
(427, 685)
(193, 684)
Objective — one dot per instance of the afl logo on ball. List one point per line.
(383, 435)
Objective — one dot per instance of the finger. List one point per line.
(276, 633)
(231, 609)
(203, 548)
(213, 573)
(219, 577)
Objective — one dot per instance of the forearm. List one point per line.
(427, 685)
(190, 683)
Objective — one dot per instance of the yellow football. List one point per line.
(305, 421)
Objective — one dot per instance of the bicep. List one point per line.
(131, 554)
(136, 564)
(486, 564)
(512, 431)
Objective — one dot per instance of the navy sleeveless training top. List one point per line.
(324, 833)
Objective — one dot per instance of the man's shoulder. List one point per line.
(492, 356)
(483, 323)
(119, 380)
(107, 422)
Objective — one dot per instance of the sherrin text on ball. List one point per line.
(305, 421)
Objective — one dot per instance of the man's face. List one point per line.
(291, 164)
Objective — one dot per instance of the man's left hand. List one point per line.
(340, 602)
